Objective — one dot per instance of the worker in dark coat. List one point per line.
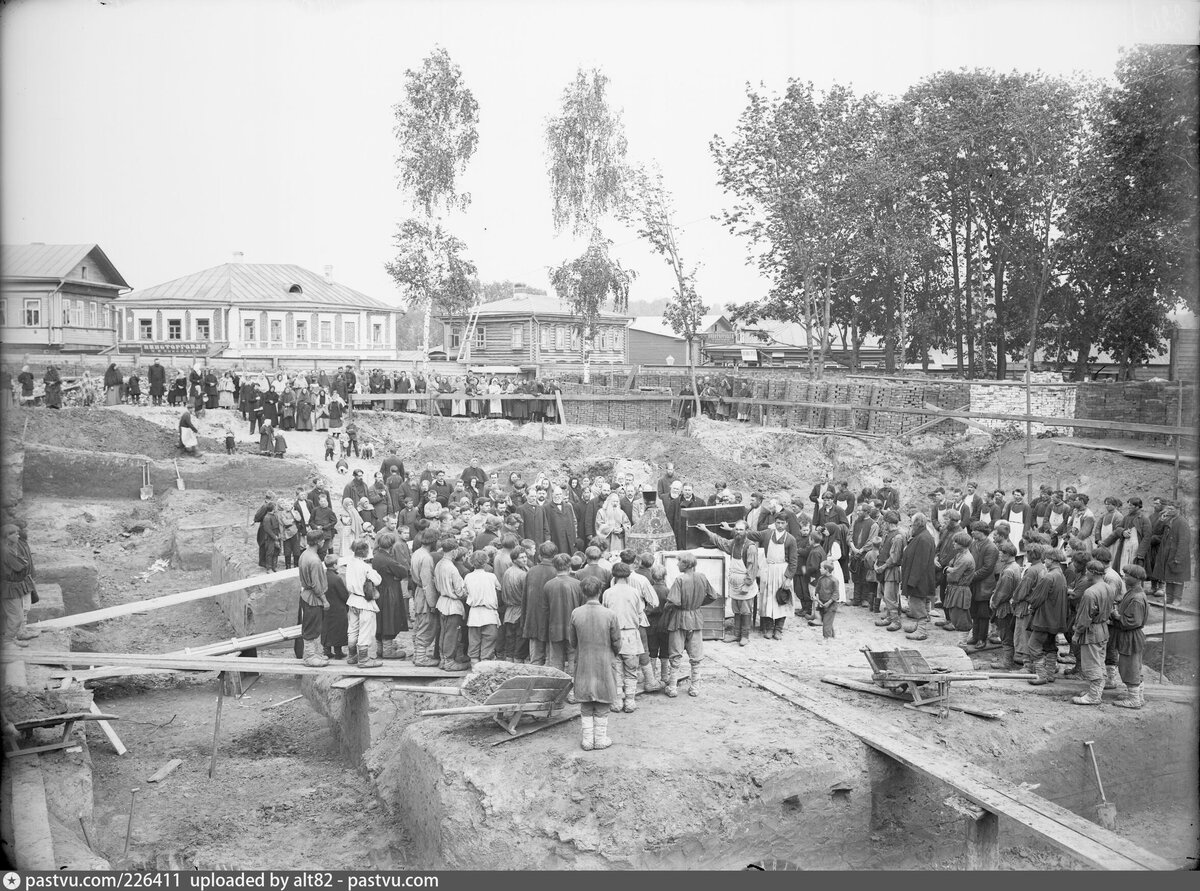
(1048, 605)
(563, 597)
(112, 384)
(533, 519)
(333, 631)
(983, 583)
(1173, 561)
(918, 576)
(595, 636)
(53, 387)
(536, 610)
(393, 617)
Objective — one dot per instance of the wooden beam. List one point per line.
(1065, 830)
(138, 661)
(145, 606)
(32, 841)
(118, 746)
(983, 842)
(234, 645)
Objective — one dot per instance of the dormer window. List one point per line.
(295, 289)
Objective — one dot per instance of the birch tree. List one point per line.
(436, 127)
(585, 149)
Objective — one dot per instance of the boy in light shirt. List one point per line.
(362, 611)
(483, 617)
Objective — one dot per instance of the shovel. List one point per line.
(147, 489)
(1106, 811)
(178, 477)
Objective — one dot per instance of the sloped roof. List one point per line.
(535, 304)
(254, 284)
(54, 261)
(659, 325)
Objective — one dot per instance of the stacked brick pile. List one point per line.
(1135, 402)
(1010, 399)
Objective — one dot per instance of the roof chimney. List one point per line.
(237, 256)
(329, 275)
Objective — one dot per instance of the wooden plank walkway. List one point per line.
(145, 606)
(1062, 828)
(134, 662)
(1185, 459)
(221, 648)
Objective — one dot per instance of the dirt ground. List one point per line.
(280, 782)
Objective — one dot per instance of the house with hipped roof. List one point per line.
(58, 297)
(256, 311)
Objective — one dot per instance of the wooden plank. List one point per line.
(534, 697)
(165, 771)
(1063, 687)
(925, 426)
(282, 702)
(347, 683)
(1068, 831)
(435, 690)
(136, 661)
(107, 729)
(33, 847)
(562, 412)
(234, 645)
(879, 691)
(1188, 460)
(145, 606)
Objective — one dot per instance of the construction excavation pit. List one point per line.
(177, 729)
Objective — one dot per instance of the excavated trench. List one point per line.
(735, 777)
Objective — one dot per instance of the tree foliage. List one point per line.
(432, 270)
(586, 283)
(436, 127)
(586, 149)
(981, 213)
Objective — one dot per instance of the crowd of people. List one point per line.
(482, 568)
(312, 400)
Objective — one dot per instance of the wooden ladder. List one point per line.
(464, 346)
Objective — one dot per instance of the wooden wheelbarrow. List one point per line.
(906, 676)
(533, 695)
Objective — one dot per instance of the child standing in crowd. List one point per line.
(362, 607)
(483, 619)
(827, 599)
(230, 442)
(330, 444)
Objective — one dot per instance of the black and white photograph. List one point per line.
(665, 437)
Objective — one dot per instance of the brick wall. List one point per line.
(1010, 399)
(1135, 402)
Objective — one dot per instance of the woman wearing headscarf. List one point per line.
(611, 523)
(350, 524)
(212, 388)
(271, 407)
(112, 385)
(336, 408)
(304, 409)
(53, 387)
(287, 408)
(324, 519)
(225, 391)
(133, 389)
(189, 439)
(495, 404)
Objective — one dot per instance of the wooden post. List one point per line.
(212, 764)
(1178, 437)
(983, 843)
(982, 834)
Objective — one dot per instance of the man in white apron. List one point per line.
(1018, 513)
(777, 569)
(741, 576)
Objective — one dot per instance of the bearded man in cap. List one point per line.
(1048, 605)
(313, 585)
(742, 568)
(918, 576)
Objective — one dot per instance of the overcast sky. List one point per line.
(175, 132)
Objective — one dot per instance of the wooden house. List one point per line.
(58, 297)
(531, 327)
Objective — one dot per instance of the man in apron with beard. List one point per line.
(741, 580)
(1018, 513)
(782, 558)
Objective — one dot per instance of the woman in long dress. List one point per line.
(458, 407)
(112, 385)
(495, 404)
(335, 408)
(304, 410)
(350, 525)
(225, 391)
